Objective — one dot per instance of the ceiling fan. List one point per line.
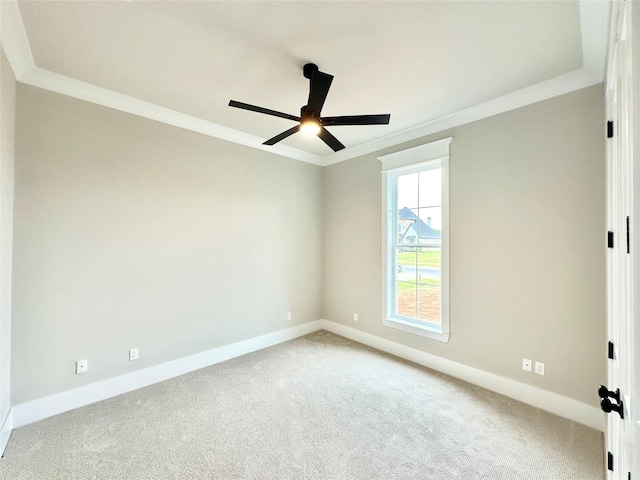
(310, 120)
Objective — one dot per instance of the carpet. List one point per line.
(318, 407)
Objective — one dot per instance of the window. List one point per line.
(416, 247)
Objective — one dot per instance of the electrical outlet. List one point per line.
(289, 316)
(526, 364)
(540, 368)
(355, 317)
(82, 366)
(133, 354)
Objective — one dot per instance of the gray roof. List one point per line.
(424, 230)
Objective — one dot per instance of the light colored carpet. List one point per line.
(318, 407)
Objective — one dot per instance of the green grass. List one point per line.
(427, 258)
(424, 282)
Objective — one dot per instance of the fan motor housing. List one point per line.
(305, 114)
(309, 69)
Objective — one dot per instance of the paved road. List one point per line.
(410, 270)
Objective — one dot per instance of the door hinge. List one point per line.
(611, 351)
(610, 129)
(628, 237)
(609, 239)
(609, 461)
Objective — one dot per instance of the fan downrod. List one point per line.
(309, 69)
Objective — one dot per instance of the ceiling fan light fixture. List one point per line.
(311, 122)
(310, 126)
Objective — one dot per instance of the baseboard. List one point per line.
(50, 405)
(551, 402)
(5, 431)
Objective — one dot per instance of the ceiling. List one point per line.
(430, 64)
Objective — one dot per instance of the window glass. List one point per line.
(418, 246)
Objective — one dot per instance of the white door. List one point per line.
(621, 393)
(633, 75)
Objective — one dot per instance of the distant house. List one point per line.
(412, 229)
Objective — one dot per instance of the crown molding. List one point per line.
(594, 20)
(71, 87)
(561, 85)
(14, 39)
(15, 43)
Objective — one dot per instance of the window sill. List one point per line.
(417, 329)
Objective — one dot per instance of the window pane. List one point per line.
(418, 281)
(408, 229)
(418, 274)
(430, 188)
(429, 226)
(406, 299)
(408, 191)
(429, 261)
(429, 303)
(407, 265)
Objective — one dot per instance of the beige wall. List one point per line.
(132, 233)
(527, 261)
(7, 122)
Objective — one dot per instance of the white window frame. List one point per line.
(394, 165)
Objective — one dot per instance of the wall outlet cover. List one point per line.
(82, 366)
(526, 364)
(540, 368)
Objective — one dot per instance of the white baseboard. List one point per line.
(50, 405)
(5, 431)
(551, 402)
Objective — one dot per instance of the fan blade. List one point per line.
(330, 140)
(318, 90)
(253, 108)
(357, 120)
(282, 136)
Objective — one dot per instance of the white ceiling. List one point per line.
(430, 64)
